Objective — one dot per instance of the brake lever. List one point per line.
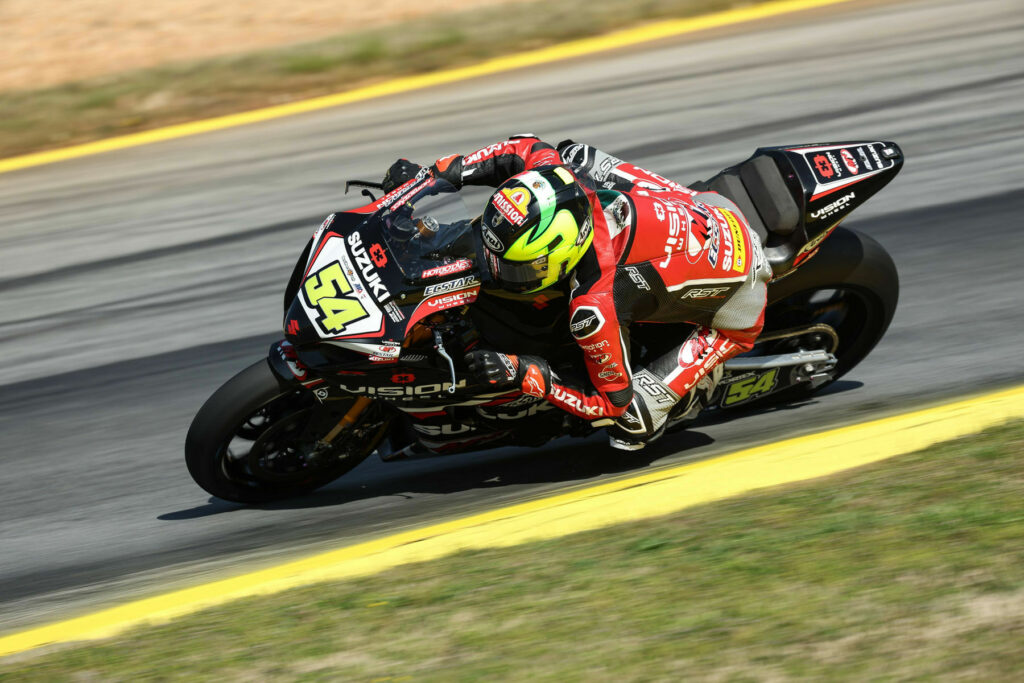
(364, 184)
(439, 347)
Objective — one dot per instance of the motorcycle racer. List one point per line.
(633, 247)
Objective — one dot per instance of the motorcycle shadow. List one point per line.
(563, 461)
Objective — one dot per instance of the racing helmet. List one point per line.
(536, 228)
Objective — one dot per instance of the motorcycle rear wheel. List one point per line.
(252, 441)
(852, 285)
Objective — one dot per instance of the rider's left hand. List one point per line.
(499, 370)
(529, 374)
(401, 172)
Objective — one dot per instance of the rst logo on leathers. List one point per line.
(586, 322)
(706, 292)
(654, 388)
(637, 278)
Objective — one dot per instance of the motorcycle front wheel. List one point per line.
(257, 439)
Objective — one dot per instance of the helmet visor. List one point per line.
(515, 275)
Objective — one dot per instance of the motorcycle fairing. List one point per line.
(443, 302)
(836, 178)
(835, 167)
(364, 281)
(341, 302)
(353, 294)
(794, 196)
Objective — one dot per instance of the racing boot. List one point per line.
(699, 397)
(654, 402)
(645, 419)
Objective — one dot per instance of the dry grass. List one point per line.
(49, 42)
(132, 101)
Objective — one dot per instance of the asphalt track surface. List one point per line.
(135, 282)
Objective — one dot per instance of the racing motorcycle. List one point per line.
(385, 300)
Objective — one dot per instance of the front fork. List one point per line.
(285, 363)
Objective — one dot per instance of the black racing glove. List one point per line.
(449, 168)
(529, 374)
(401, 172)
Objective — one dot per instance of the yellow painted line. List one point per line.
(659, 492)
(577, 48)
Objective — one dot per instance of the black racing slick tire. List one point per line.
(851, 284)
(247, 442)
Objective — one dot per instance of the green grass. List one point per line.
(133, 101)
(908, 569)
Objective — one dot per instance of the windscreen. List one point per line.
(428, 228)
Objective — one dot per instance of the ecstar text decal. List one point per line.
(451, 285)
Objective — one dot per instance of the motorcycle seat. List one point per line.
(758, 188)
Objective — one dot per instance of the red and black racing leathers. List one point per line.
(661, 253)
